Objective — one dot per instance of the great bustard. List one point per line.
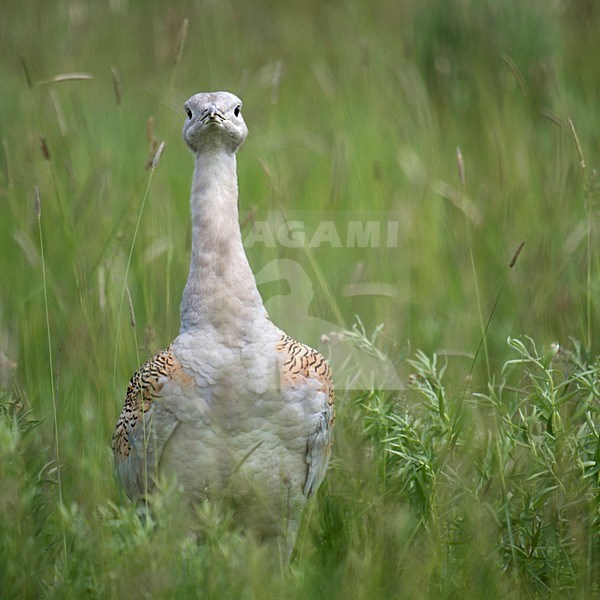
(234, 408)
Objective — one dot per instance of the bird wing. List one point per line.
(146, 422)
(306, 371)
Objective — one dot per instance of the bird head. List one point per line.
(214, 122)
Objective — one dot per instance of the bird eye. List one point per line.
(189, 112)
(236, 110)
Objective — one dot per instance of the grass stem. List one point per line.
(38, 211)
(124, 289)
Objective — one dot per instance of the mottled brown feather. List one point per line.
(144, 388)
(300, 363)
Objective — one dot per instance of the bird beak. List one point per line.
(211, 114)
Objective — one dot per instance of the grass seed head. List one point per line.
(461, 168)
(180, 44)
(131, 311)
(577, 143)
(116, 79)
(515, 257)
(157, 155)
(38, 202)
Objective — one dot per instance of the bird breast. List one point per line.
(234, 418)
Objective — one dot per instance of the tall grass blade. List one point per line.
(462, 181)
(38, 212)
(124, 289)
(513, 262)
(590, 220)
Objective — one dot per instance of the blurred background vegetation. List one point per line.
(356, 111)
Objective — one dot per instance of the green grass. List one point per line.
(481, 477)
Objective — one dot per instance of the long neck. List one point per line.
(221, 292)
